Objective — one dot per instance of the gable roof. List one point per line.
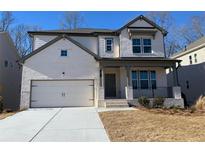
(97, 31)
(141, 17)
(198, 44)
(55, 40)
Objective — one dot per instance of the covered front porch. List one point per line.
(129, 79)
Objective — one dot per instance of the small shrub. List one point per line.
(200, 103)
(1, 104)
(144, 101)
(158, 102)
(192, 109)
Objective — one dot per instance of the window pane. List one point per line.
(109, 41)
(63, 52)
(108, 44)
(136, 42)
(143, 75)
(147, 41)
(154, 84)
(153, 75)
(136, 49)
(134, 84)
(134, 75)
(144, 84)
(147, 49)
(108, 48)
(6, 63)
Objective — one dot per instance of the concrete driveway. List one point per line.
(56, 124)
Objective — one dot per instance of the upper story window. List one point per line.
(136, 45)
(147, 45)
(109, 44)
(6, 63)
(190, 59)
(195, 58)
(141, 45)
(64, 53)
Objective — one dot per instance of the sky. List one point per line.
(111, 20)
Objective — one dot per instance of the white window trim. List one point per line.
(112, 45)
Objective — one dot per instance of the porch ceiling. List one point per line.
(138, 61)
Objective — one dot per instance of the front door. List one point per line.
(110, 86)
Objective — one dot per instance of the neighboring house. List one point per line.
(94, 67)
(191, 72)
(10, 72)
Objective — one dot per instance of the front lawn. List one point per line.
(147, 125)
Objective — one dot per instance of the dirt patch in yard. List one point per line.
(153, 125)
(6, 114)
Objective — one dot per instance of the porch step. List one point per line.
(116, 103)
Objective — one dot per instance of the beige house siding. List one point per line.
(89, 42)
(102, 48)
(10, 77)
(126, 45)
(140, 23)
(39, 40)
(200, 57)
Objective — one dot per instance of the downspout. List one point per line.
(164, 48)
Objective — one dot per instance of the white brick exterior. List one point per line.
(48, 64)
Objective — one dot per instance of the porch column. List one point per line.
(176, 89)
(101, 88)
(128, 88)
(175, 78)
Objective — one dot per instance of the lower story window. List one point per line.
(144, 82)
(134, 79)
(153, 80)
(144, 79)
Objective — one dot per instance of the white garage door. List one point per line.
(62, 93)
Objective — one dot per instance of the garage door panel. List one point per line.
(62, 93)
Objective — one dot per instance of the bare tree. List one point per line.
(6, 21)
(72, 20)
(21, 39)
(166, 21)
(193, 30)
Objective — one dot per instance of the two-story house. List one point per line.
(10, 72)
(191, 72)
(92, 67)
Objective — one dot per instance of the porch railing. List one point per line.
(151, 93)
